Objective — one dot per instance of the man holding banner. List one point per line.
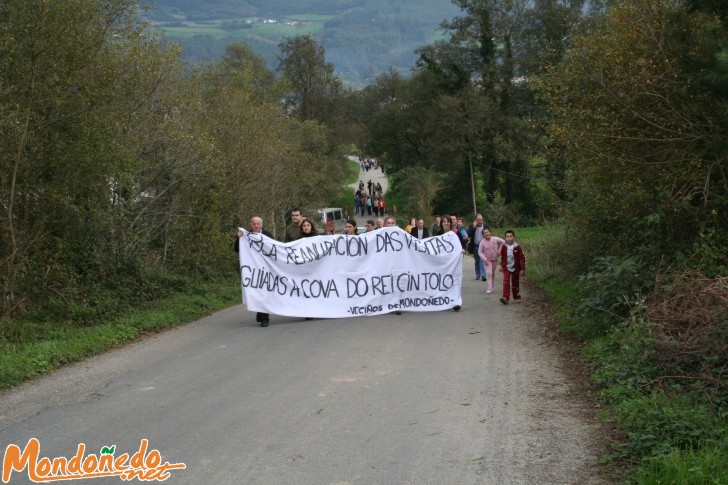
(256, 226)
(374, 273)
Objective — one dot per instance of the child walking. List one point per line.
(488, 251)
(513, 266)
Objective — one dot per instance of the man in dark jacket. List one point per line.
(420, 231)
(293, 231)
(256, 226)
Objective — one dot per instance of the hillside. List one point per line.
(362, 37)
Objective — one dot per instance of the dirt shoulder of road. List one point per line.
(543, 325)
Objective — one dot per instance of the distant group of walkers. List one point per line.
(373, 189)
(366, 205)
(370, 164)
(370, 200)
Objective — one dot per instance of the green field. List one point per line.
(290, 26)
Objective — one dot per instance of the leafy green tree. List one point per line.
(489, 43)
(74, 78)
(545, 37)
(119, 163)
(419, 188)
(645, 142)
(315, 86)
(379, 115)
(316, 92)
(241, 56)
(261, 161)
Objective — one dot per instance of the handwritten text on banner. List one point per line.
(347, 276)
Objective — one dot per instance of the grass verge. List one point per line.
(26, 360)
(346, 197)
(675, 429)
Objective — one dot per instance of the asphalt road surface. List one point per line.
(475, 396)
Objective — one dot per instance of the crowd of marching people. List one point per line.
(489, 251)
(478, 240)
(491, 254)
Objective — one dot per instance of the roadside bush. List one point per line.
(657, 423)
(612, 289)
(621, 360)
(660, 413)
(498, 213)
(662, 371)
(690, 333)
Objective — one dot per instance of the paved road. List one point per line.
(422, 398)
(375, 175)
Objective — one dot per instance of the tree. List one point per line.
(645, 142)
(484, 42)
(315, 87)
(120, 165)
(75, 77)
(241, 57)
(260, 161)
(418, 187)
(545, 37)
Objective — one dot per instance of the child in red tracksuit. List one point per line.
(513, 266)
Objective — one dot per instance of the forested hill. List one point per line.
(361, 37)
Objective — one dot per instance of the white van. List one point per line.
(335, 213)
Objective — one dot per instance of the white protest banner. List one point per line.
(347, 276)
